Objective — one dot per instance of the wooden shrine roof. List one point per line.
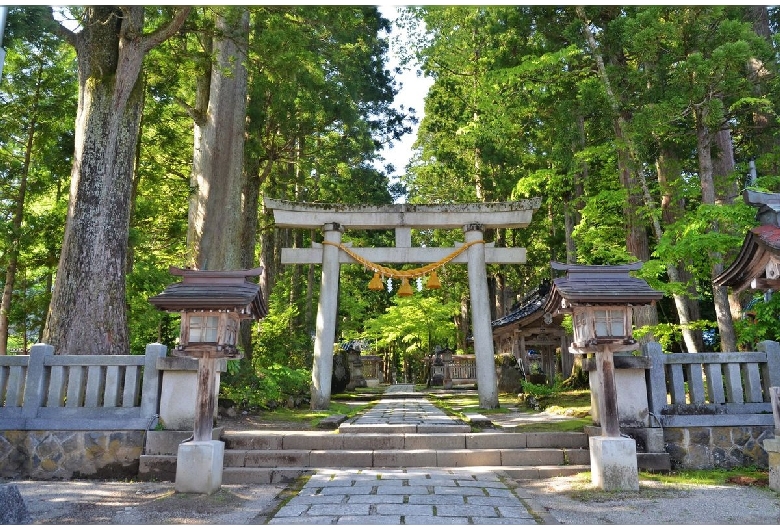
(761, 245)
(213, 290)
(531, 308)
(599, 285)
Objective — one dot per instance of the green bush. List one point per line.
(266, 388)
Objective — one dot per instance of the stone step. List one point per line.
(285, 475)
(654, 461)
(368, 458)
(312, 440)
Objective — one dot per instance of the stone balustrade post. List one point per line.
(34, 388)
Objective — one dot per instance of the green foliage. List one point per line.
(668, 333)
(267, 387)
(761, 321)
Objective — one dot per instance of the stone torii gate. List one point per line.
(333, 219)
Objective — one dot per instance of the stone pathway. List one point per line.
(405, 496)
(409, 495)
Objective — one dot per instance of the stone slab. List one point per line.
(532, 457)
(344, 458)
(258, 441)
(498, 440)
(613, 463)
(434, 441)
(199, 467)
(572, 440)
(405, 458)
(468, 457)
(376, 428)
(14, 510)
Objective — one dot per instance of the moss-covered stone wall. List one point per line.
(45, 455)
(716, 447)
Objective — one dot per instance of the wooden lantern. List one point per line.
(600, 299)
(212, 305)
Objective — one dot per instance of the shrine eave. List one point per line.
(748, 270)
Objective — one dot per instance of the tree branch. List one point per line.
(164, 33)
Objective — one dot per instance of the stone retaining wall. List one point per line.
(45, 455)
(717, 447)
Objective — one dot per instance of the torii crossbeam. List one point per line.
(333, 219)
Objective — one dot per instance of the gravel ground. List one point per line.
(568, 500)
(154, 503)
(573, 501)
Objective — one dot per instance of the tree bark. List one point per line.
(216, 211)
(87, 313)
(728, 338)
(667, 171)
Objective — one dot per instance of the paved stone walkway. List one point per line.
(410, 495)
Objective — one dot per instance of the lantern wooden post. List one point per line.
(608, 410)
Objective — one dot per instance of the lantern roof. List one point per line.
(599, 285)
(203, 290)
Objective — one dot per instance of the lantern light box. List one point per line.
(600, 299)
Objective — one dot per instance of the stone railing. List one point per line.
(43, 391)
(711, 389)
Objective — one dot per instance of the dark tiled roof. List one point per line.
(531, 304)
(761, 243)
(216, 290)
(600, 284)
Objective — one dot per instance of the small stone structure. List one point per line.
(14, 510)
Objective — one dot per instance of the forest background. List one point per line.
(136, 138)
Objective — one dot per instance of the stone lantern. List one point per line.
(600, 299)
(212, 305)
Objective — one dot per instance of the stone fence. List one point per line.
(705, 409)
(77, 416)
(43, 391)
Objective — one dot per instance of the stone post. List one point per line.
(480, 318)
(326, 319)
(772, 445)
(34, 388)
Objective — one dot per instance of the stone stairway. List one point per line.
(402, 430)
(278, 457)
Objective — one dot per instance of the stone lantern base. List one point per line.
(613, 463)
(199, 467)
(772, 448)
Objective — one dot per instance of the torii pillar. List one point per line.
(473, 219)
(480, 318)
(327, 311)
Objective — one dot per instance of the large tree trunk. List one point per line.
(87, 314)
(216, 214)
(728, 339)
(668, 172)
(636, 229)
